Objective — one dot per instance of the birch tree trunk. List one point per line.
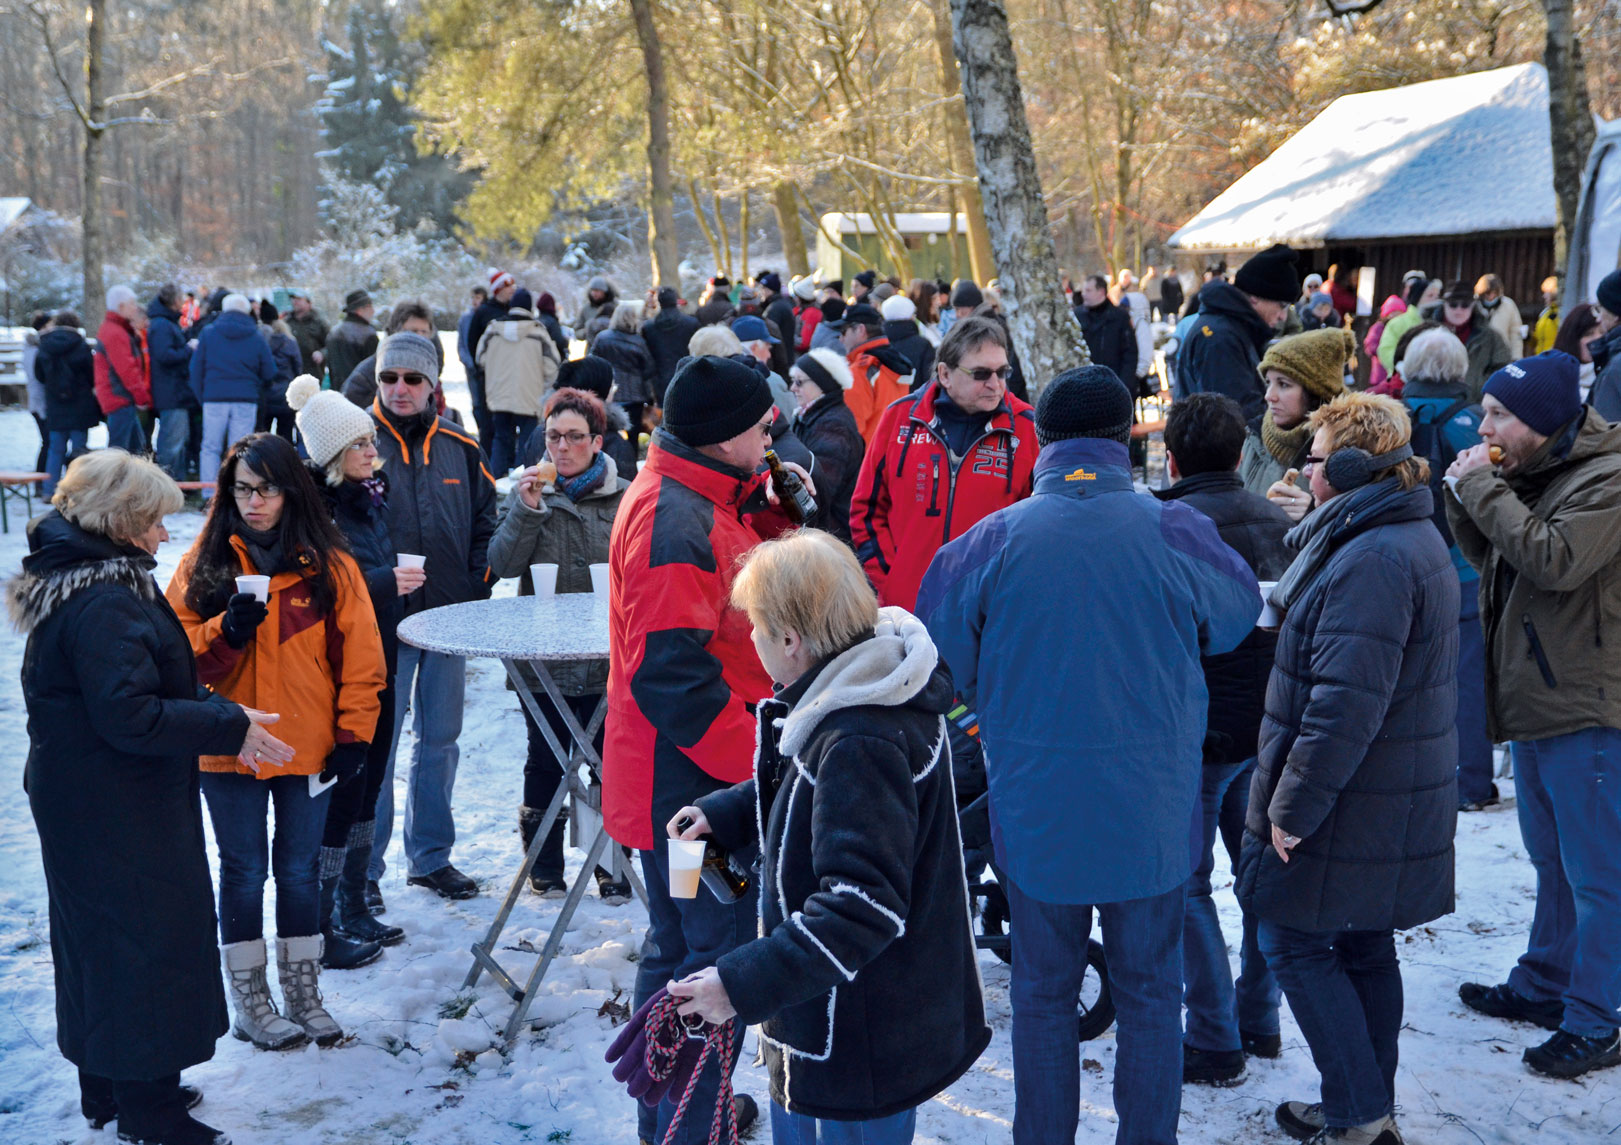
(93, 241)
(1047, 336)
(788, 226)
(960, 149)
(661, 191)
(1570, 120)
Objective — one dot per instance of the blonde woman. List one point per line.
(622, 346)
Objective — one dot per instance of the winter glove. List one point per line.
(346, 761)
(629, 1052)
(244, 612)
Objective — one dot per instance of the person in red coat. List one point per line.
(941, 460)
(123, 385)
(683, 673)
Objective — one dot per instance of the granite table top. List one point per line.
(568, 626)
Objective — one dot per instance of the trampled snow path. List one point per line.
(411, 1073)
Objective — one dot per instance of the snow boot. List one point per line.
(100, 1107)
(355, 919)
(1381, 1132)
(546, 876)
(299, 961)
(186, 1131)
(340, 951)
(256, 1018)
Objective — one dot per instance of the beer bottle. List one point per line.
(726, 880)
(795, 499)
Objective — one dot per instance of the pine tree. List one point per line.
(370, 129)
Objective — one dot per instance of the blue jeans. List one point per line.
(174, 435)
(1474, 744)
(685, 935)
(1344, 989)
(1217, 1011)
(63, 443)
(1568, 790)
(432, 687)
(508, 432)
(124, 430)
(224, 424)
(1142, 939)
(797, 1129)
(238, 806)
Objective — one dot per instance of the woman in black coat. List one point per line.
(1354, 800)
(864, 982)
(115, 726)
(827, 428)
(66, 368)
(623, 348)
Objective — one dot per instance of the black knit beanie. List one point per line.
(1273, 274)
(590, 373)
(1609, 292)
(711, 400)
(1088, 401)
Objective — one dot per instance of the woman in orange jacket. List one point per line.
(311, 652)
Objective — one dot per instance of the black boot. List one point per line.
(546, 876)
(355, 919)
(339, 952)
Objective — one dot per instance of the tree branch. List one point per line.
(44, 21)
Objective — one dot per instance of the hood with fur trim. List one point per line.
(63, 561)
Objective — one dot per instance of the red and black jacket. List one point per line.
(683, 676)
(910, 498)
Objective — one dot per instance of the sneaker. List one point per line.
(446, 882)
(1571, 1055)
(1301, 1120)
(101, 1113)
(1212, 1067)
(1261, 1045)
(374, 898)
(1491, 800)
(1503, 1001)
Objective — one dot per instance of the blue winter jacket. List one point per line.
(166, 349)
(1073, 622)
(232, 363)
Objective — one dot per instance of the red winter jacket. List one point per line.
(121, 376)
(808, 315)
(909, 500)
(683, 676)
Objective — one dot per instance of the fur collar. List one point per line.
(888, 670)
(31, 598)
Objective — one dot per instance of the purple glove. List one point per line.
(629, 1051)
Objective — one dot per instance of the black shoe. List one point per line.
(1491, 800)
(1261, 1045)
(446, 882)
(340, 952)
(1301, 1120)
(100, 1113)
(610, 892)
(1571, 1055)
(374, 898)
(747, 1111)
(1502, 1001)
(188, 1131)
(364, 928)
(1212, 1067)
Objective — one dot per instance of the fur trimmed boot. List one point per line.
(257, 1020)
(299, 961)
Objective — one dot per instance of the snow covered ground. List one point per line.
(422, 1064)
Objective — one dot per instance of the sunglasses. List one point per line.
(985, 373)
(395, 377)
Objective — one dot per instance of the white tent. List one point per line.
(1595, 241)
(12, 209)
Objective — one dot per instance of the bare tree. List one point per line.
(1570, 121)
(661, 190)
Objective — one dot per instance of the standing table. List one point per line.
(535, 631)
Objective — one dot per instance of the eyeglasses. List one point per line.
(1310, 460)
(553, 437)
(985, 373)
(765, 426)
(244, 492)
(362, 445)
(395, 377)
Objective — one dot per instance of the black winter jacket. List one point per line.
(115, 726)
(365, 526)
(864, 981)
(170, 357)
(634, 371)
(1359, 753)
(667, 334)
(781, 311)
(1252, 527)
(907, 337)
(289, 363)
(828, 429)
(1110, 339)
(350, 343)
(66, 367)
(1223, 348)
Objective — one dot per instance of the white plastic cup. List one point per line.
(686, 864)
(544, 577)
(411, 561)
(255, 583)
(599, 580)
(1269, 617)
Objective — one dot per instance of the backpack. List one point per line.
(1430, 441)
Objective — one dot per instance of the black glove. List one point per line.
(244, 612)
(346, 761)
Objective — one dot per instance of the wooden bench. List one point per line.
(18, 487)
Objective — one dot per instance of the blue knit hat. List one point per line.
(1543, 392)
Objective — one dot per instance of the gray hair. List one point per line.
(627, 318)
(119, 295)
(1435, 356)
(716, 341)
(237, 303)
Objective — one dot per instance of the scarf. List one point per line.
(1284, 444)
(264, 546)
(376, 491)
(589, 479)
(1324, 529)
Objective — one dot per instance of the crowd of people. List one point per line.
(1344, 596)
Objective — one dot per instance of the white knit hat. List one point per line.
(327, 421)
(898, 308)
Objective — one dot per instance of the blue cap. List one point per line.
(1544, 392)
(750, 328)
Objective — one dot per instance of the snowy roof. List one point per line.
(907, 222)
(12, 209)
(1457, 156)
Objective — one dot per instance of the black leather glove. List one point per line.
(346, 761)
(244, 612)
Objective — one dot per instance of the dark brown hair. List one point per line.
(587, 405)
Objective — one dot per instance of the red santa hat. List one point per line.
(499, 279)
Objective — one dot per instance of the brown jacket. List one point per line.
(1547, 542)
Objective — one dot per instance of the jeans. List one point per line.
(238, 806)
(797, 1129)
(174, 435)
(1142, 940)
(276, 417)
(431, 686)
(355, 801)
(1474, 744)
(65, 443)
(508, 432)
(1217, 1011)
(1344, 989)
(1569, 797)
(684, 935)
(224, 424)
(124, 430)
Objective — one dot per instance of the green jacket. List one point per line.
(573, 537)
(1547, 543)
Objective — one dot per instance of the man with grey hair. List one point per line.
(123, 386)
(231, 372)
(442, 505)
